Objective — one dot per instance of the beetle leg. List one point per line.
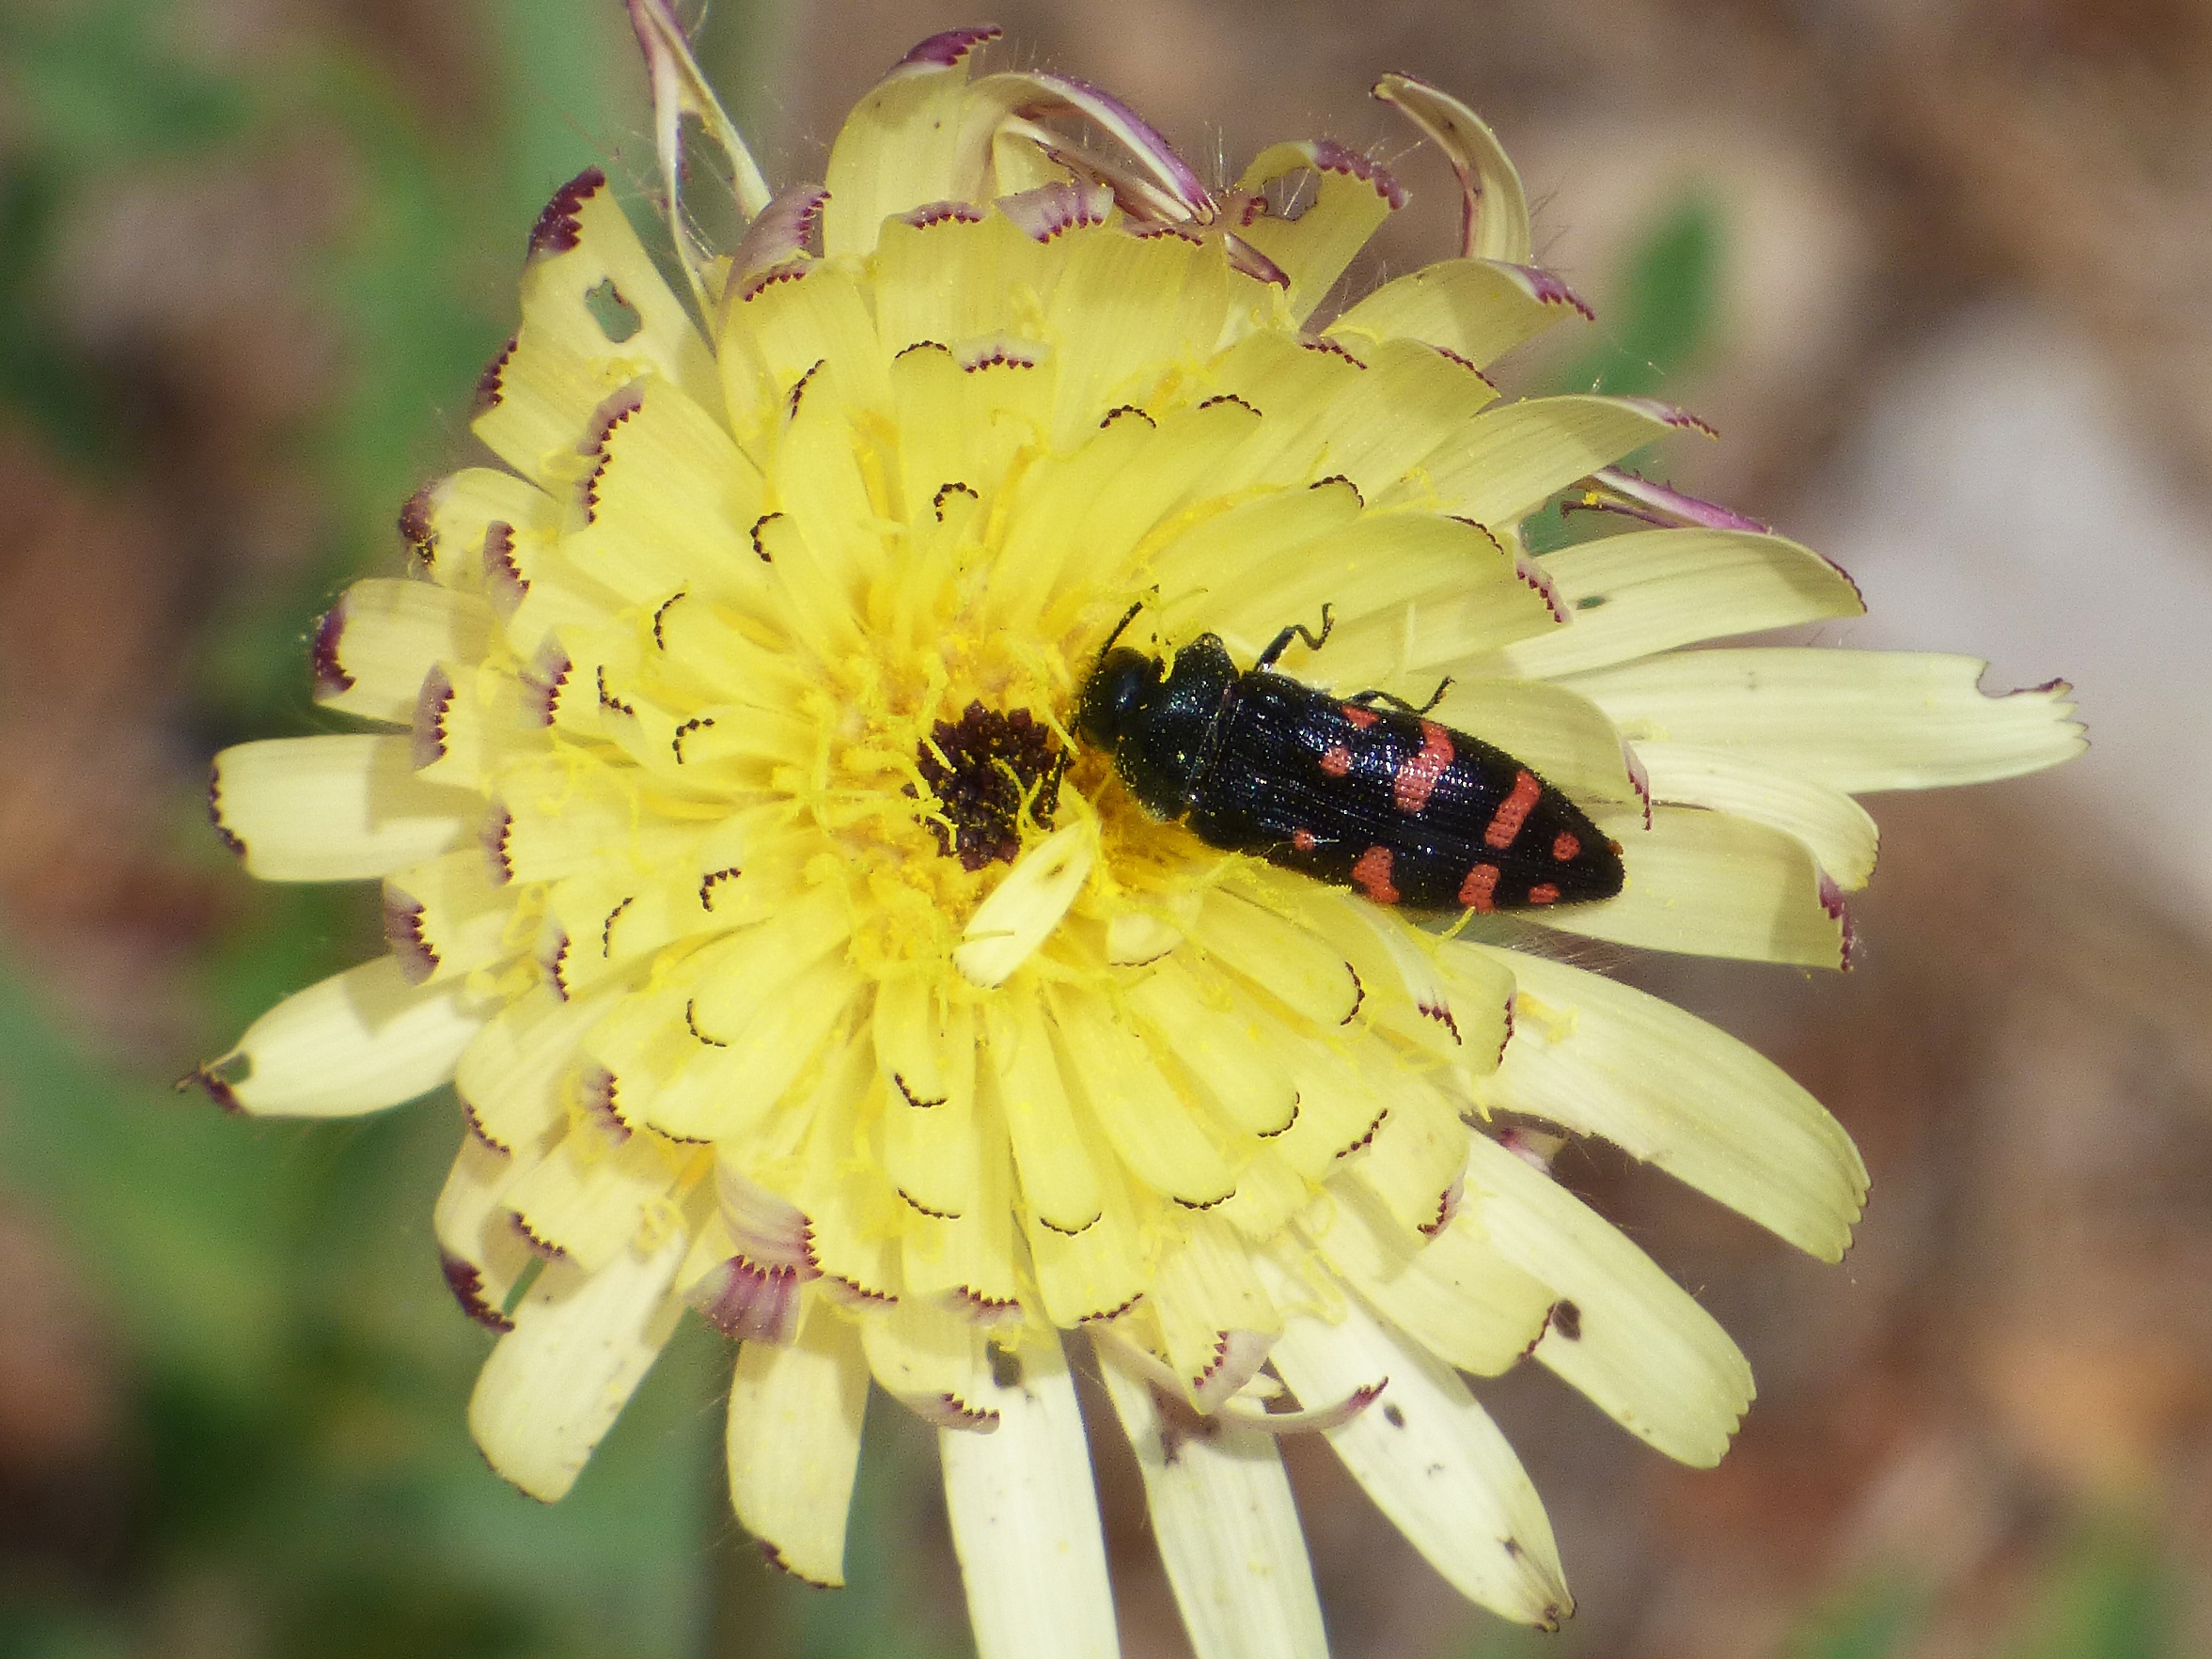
(1296, 631)
(1367, 699)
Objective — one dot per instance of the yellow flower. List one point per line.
(796, 961)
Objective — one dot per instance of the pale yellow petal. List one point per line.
(1478, 309)
(1294, 966)
(1158, 1138)
(934, 1361)
(793, 1441)
(358, 1042)
(581, 1344)
(1350, 198)
(1025, 1520)
(1228, 1531)
(1709, 884)
(1453, 1293)
(594, 1194)
(590, 284)
(1602, 1058)
(904, 145)
(1434, 1462)
(1649, 591)
(1624, 1334)
(1857, 721)
(1495, 208)
(515, 1076)
(1841, 834)
(1027, 904)
(1508, 461)
(334, 808)
(447, 917)
(374, 647)
(483, 1256)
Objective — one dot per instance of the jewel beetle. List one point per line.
(1362, 792)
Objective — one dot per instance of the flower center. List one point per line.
(987, 769)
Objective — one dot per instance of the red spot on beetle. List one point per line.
(1481, 884)
(1371, 875)
(1336, 759)
(1302, 840)
(1566, 847)
(1418, 773)
(1363, 718)
(1512, 812)
(1544, 893)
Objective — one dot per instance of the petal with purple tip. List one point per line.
(1493, 209)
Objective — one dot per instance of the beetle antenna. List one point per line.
(1128, 617)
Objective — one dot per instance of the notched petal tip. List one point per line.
(1051, 210)
(432, 708)
(784, 231)
(228, 836)
(944, 49)
(403, 934)
(750, 1301)
(776, 1559)
(1328, 156)
(1236, 1360)
(560, 227)
(491, 384)
(1831, 900)
(939, 212)
(217, 1080)
(331, 678)
(949, 1411)
(1672, 414)
(467, 1281)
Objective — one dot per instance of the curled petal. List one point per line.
(1318, 1419)
(743, 1299)
(783, 231)
(1494, 221)
(1024, 90)
(769, 1229)
(679, 90)
(1672, 504)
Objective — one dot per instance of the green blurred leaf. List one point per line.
(1668, 296)
(1875, 1621)
(2112, 1597)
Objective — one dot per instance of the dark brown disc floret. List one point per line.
(983, 770)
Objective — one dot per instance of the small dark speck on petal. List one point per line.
(1566, 1319)
(1392, 1415)
(1005, 1369)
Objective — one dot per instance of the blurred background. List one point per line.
(1941, 273)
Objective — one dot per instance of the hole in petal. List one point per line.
(617, 318)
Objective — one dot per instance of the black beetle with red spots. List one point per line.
(1356, 793)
